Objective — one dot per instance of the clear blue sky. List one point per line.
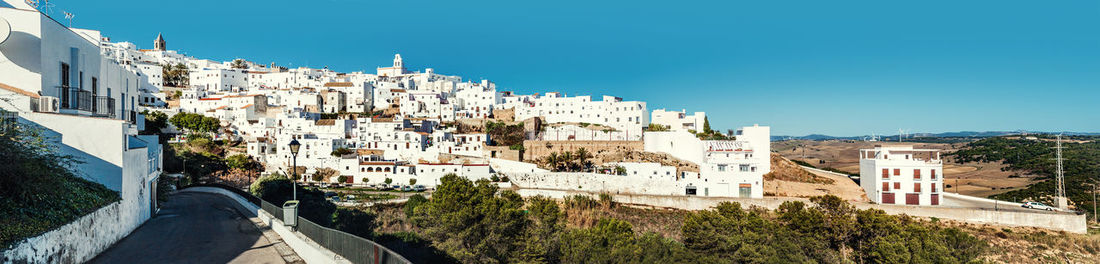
(802, 67)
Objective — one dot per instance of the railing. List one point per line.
(104, 106)
(131, 117)
(74, 98)
(351, 247)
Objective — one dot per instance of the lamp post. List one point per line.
(294, 146)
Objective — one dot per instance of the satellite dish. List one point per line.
(5, 30)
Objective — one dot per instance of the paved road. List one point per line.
(992, 206)
(195, 228)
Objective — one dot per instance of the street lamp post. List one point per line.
(294, 146)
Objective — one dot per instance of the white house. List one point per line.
(679, 120)
(901, 175)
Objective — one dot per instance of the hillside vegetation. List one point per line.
(38, 189)
(473, 222)
(1081, 166)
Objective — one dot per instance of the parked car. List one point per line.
(419, 188)
(406, 188)
(336, 199)
(396, 186)
(330, 194)
(1037, 206)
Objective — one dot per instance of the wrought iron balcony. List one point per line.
(104, 106)
(74, 98)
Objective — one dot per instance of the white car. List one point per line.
(1037, 206)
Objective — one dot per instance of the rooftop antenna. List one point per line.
(69, 16)
(1060, 196)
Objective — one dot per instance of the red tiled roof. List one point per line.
(17, 90)
(338, 84)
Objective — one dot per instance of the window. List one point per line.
(933, 187)
(916, 187)
(897, 172)
(933, 174)
(897, 185)
(721, 167)
(744, 167)
(916, 174)
(886, 186)
(885, 173)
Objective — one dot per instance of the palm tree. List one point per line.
(552, 160)
(567, 159)
(582, 157)
(239, 64)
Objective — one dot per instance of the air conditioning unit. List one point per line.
(49, 104)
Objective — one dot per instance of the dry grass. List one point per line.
(1032, 245)
(785, 170)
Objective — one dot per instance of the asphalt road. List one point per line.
(992, 206)
(195, 228)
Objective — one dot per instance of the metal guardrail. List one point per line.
(355, 249)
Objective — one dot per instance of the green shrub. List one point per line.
(413, 202)
(354, 221)
(38, 189)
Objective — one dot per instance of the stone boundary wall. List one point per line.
(1055, 221)
(306, 248)
(536, 149)
(76, 242)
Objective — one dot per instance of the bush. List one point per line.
(342, 179)
(340, 152)
(413, 202)
(38, 189)
(388, 181)
(472, 222)
(357, 222)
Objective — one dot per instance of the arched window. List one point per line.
(387, 169)
(371, 169)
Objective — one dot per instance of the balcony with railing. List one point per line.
(74, 98)
(104, 106)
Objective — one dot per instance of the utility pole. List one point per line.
(1060, 196)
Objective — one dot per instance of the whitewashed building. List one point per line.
(679, 120)
(901, 175)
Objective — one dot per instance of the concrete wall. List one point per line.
(1061, 222)
(75, 242)
(667, 201)
(659, 185)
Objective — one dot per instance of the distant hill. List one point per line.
(959, 134)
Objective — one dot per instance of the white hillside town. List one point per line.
(132, 116)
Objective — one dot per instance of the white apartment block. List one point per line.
(677, 121)
(901, 175)
(625, 116)
(219, 80)
(427, 105)
(727, 168)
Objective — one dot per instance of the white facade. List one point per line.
(219, 80)
(57, 81)
(679, 120)
(626, 116)
(901, 175)
(730, 168)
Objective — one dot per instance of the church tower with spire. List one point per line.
(159, 43)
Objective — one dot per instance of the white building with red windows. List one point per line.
(901, 175)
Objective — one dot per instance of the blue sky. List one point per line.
(802, 67)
